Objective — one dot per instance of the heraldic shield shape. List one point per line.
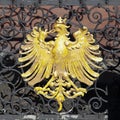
(59, 61)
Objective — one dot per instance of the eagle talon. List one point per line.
(82, 90)
(38, 90)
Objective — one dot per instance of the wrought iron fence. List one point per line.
(17, 18)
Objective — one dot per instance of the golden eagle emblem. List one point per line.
(59, 61)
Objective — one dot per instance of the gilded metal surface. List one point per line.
(19, 99)
(59, 60)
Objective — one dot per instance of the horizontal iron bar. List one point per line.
(54, 117)
(59, 2)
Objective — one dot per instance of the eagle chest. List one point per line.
(60, 51)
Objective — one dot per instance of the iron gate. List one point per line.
(17, 18)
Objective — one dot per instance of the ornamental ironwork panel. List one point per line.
(17, 19)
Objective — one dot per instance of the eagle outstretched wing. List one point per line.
(83, 57)
(36, 54)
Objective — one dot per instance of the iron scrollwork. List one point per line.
(16, 22)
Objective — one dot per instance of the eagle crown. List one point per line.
(61, 21)
(60, 27)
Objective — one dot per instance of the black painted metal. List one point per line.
(103, 20)
(57, 2)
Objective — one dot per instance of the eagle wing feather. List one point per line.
(83, 56)
(36, 54)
